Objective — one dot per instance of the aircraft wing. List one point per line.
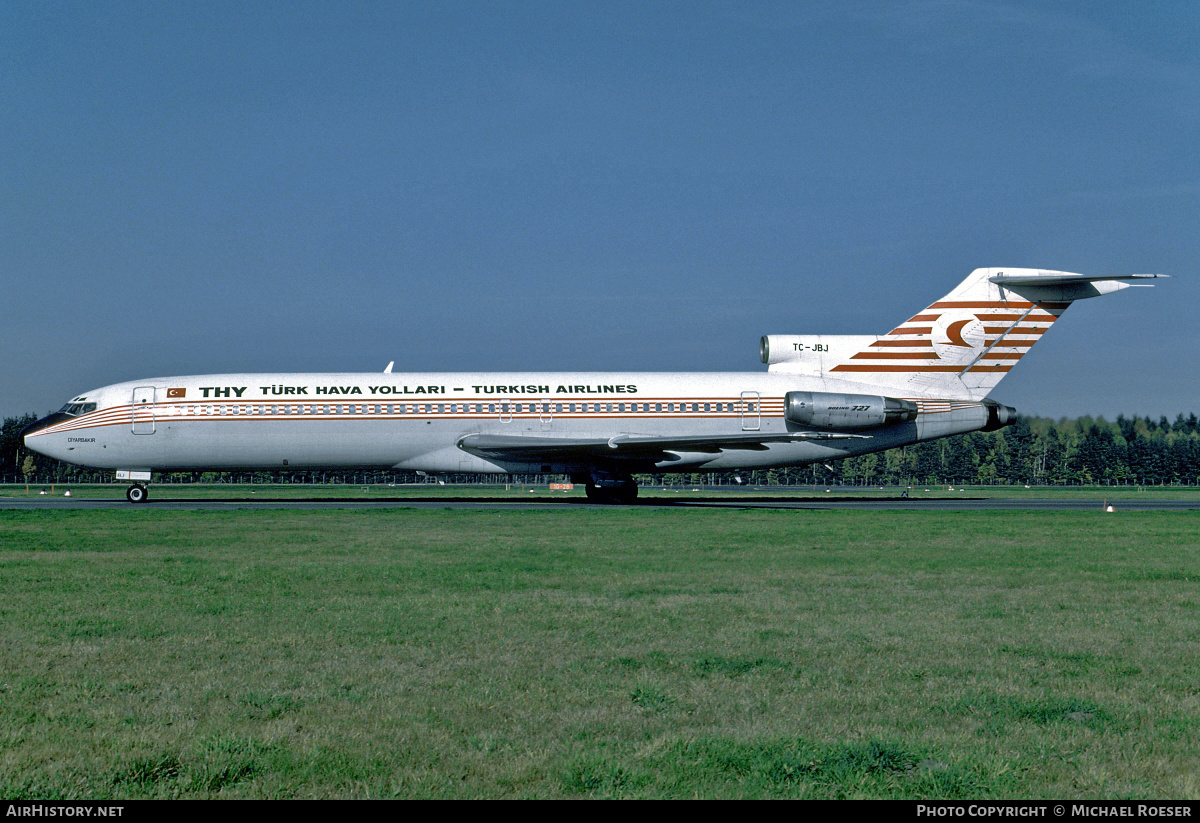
(655, 447)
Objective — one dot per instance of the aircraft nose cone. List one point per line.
(41, 425)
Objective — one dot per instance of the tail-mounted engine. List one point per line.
(999, 416)
(829, 410)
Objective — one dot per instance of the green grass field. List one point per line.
(599, 652)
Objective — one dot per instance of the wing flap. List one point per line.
(633, 446)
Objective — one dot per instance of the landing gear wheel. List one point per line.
(136, 493)
(626, 493)
(623, 494)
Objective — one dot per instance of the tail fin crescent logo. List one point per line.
(954, 333)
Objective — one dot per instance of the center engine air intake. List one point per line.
(829, 410)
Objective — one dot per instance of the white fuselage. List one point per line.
(415, 421)
(823, 398)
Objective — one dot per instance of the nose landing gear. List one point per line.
(136, 493)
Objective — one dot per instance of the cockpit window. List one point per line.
(75, 409)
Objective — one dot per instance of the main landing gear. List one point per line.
(136, 493)
(603, 488)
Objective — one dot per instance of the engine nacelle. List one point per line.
(793, 348)
(773, 344)
(811, 354)
(830, 410)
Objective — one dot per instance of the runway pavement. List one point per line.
(735, 501)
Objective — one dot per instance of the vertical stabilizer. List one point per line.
(963, 345)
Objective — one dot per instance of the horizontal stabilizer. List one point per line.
(1065, 279)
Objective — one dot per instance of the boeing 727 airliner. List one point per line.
(821, 398)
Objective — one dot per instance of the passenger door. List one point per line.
(751, 414)
(143, 410)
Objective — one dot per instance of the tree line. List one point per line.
(1032, 451)
(1041, 451)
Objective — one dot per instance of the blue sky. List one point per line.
(214, 187)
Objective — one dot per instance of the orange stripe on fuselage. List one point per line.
(164, 413)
